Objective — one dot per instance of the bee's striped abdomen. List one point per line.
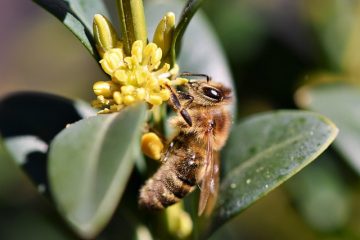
(173, 180)
(161, 191)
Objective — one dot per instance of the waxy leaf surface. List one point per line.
(265, 150)
(89, 164)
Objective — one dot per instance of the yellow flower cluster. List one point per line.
(134, 78)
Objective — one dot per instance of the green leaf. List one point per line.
(340, 102)
(90, 163)
(320, 195)
(188, 12)
(265, 150)
(77, 16)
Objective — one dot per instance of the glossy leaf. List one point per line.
(28, 123)
(265, 150)
(340, 102)
(90, 163)
(77, 16)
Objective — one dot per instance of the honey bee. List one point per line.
(192, 157)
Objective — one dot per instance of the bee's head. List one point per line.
(207, 92)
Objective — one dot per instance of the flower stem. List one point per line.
(132, 21)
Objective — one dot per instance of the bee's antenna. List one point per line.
(189, 74)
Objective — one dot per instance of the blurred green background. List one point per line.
(273, 47)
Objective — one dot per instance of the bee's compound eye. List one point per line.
(212, 93)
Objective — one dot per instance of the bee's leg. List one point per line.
(186, 98)
(189, 74)
(167, 152)
(178, 107)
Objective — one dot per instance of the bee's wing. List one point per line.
(215, 187)
(209, 181)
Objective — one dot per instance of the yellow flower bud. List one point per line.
(120, 77)
(151, 145)
(104, 34)
(137, 50)
(155, 59)
(141, 77)
(149, 50)
(155, 99)
(131, 62)
(117, 97)
(128, 99)
(127, 90)
(178, 221)
(164, 32)
(164, 70)
(153, 84)
(103, 100)
(113, 59)
(115, 108)
(105, 89)
(179, 81)
(164, 94)
(175, 70)
(140, 93)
